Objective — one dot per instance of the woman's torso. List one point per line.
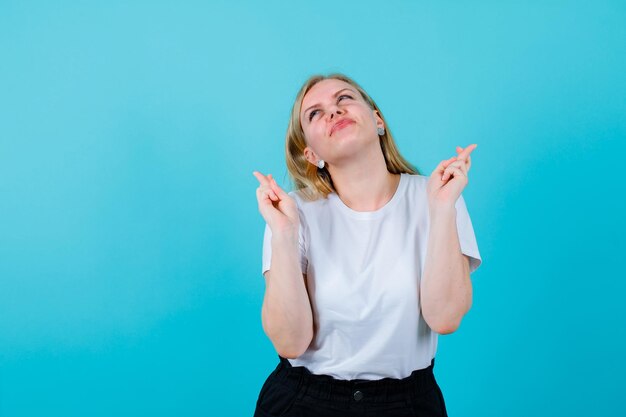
(363, 272)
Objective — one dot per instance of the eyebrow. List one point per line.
(334, 95)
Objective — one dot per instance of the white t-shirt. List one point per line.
(363, 273)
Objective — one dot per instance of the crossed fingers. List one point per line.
(267, 187)
(458, 166)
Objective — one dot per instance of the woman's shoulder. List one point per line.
(416, 177)
(416, 180)
(307, 196)
(307, 200)
(299, 193)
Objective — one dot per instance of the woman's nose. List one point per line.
(337, 110)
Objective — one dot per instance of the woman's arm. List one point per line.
(286, 314)
(445, 288)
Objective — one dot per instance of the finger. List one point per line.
(276, 188)
(458, 163)
(461, 164)
(446, 175)
(266, 190)
(264, 194)
(453, 171)
(274, 185)
(463, 167)
(270, 183)
(266, 182)
(449, 161)
(465, 152)
(262, 178)
(272, 193)
(444, 164)
(467, 162)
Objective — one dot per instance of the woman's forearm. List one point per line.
(445, 288)
(286, 314)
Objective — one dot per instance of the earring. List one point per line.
(381, 131)
(320, 164)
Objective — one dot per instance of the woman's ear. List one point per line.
(310, 156)
(378, 119)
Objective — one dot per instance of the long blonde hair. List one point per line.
(314, 182)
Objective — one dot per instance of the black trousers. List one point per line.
(295, 392)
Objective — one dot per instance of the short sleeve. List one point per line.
(467, 239)
(267, 249)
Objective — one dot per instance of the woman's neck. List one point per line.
(365, 185)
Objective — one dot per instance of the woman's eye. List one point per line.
(314, 112)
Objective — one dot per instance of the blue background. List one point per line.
(130, 239)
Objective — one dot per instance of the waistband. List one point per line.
(325, 387)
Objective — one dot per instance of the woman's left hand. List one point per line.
(449, 179)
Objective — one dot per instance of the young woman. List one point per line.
(365, 263)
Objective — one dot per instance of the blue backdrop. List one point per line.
(130, 240)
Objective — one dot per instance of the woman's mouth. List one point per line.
(340, 125)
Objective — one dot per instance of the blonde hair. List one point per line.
(314, 182)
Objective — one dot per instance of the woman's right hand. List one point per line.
(278, 208)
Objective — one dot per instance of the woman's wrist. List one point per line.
(285, 237)
(437, 211)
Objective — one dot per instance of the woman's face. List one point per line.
(337, 122)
